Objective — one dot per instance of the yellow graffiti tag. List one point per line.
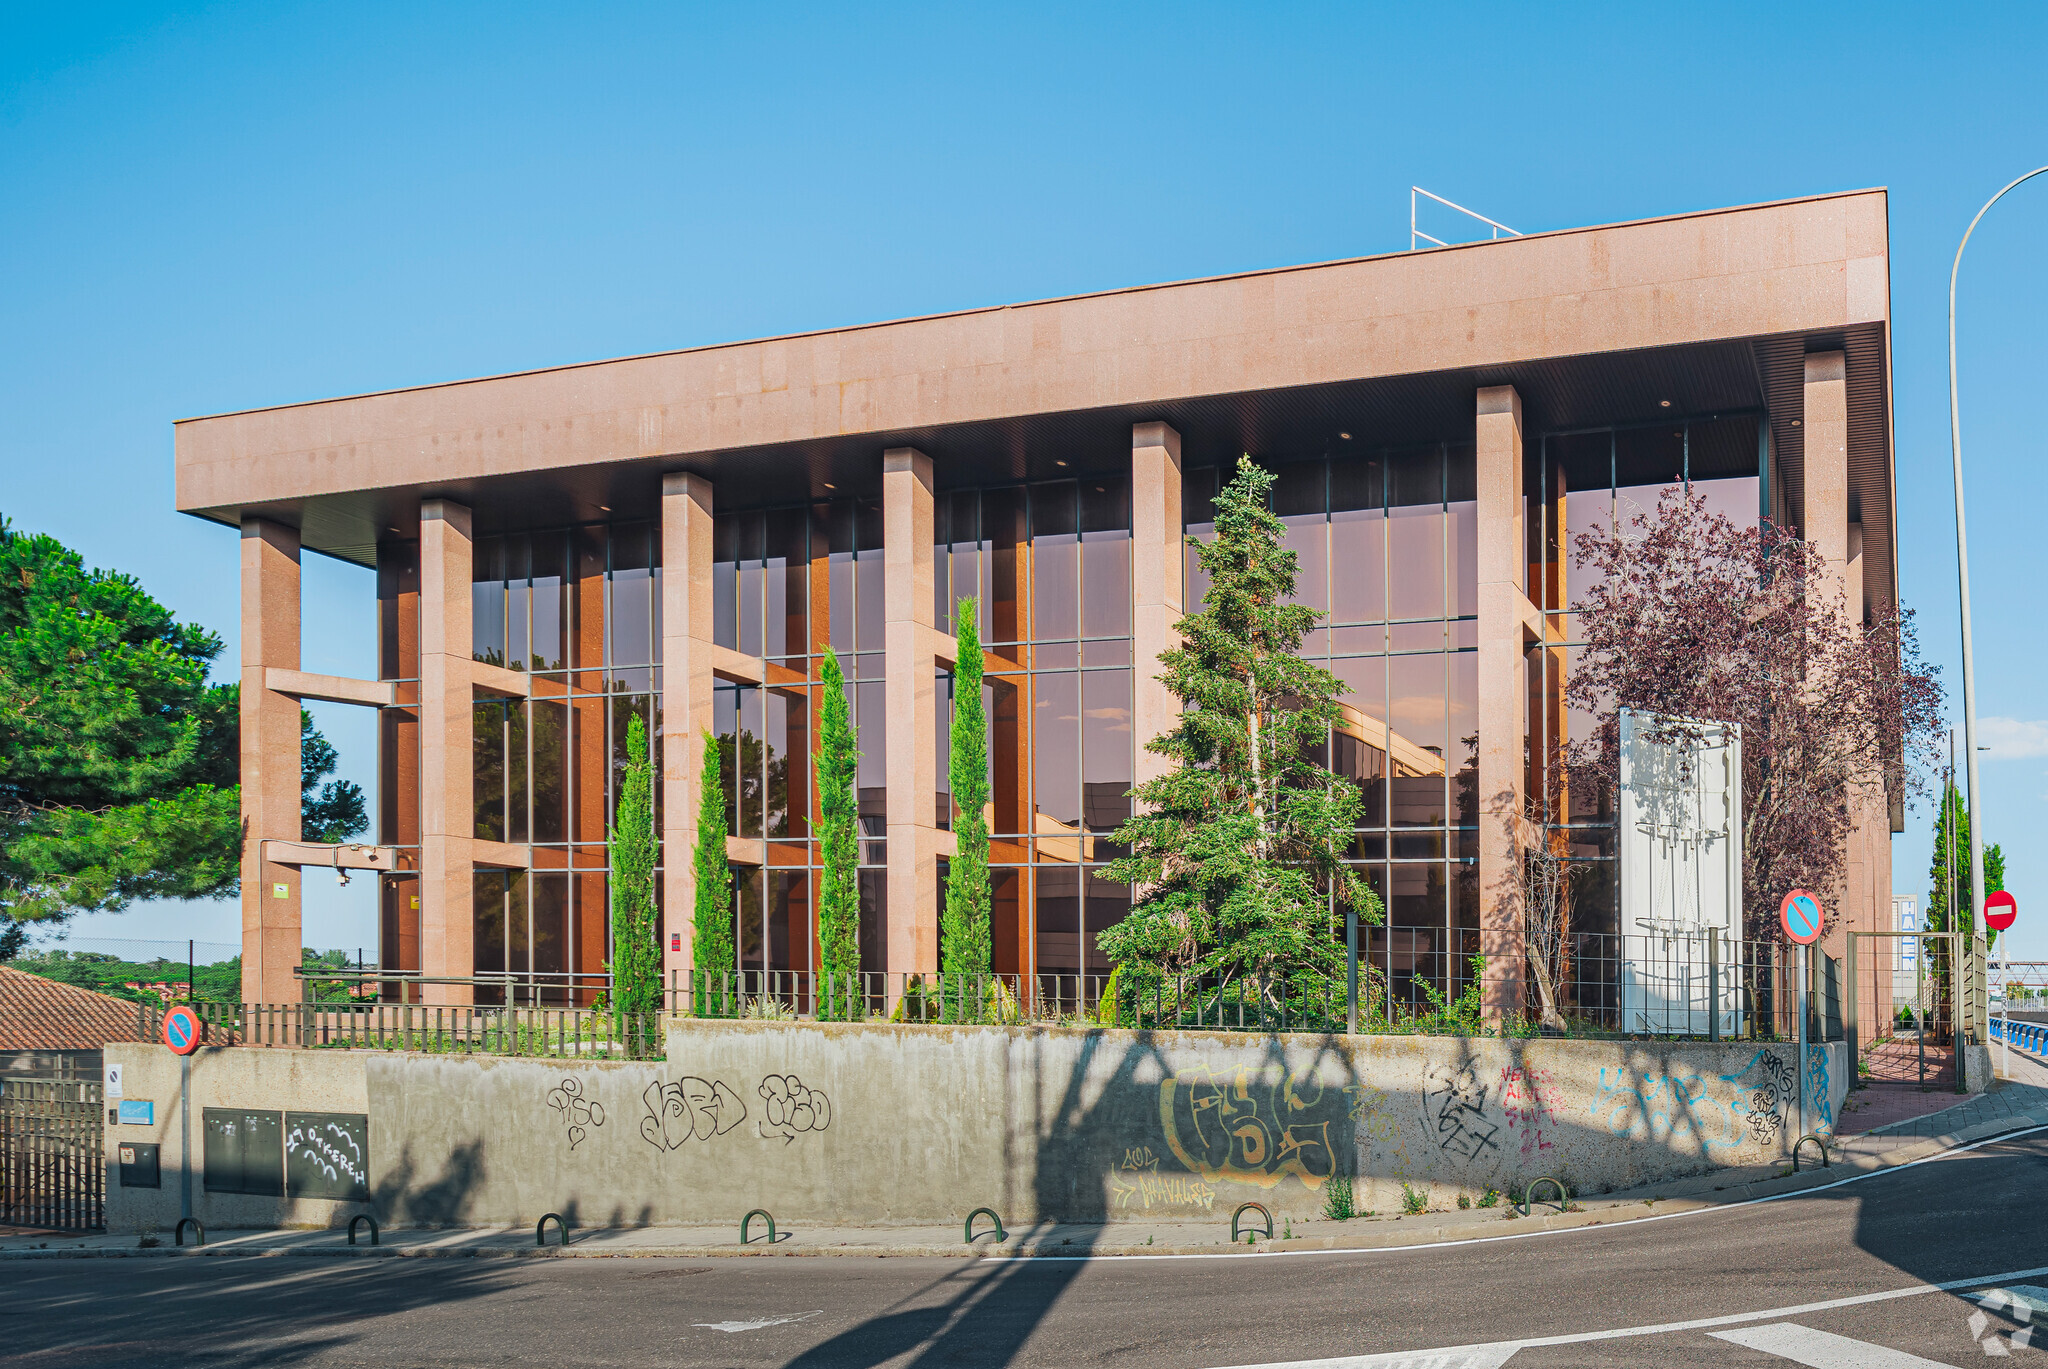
(1226, 1124)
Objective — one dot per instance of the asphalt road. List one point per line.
(1968, 1217)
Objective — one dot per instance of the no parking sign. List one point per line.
(181, 1030)
(1801, 917)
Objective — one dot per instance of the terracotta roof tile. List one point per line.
(41, 1014)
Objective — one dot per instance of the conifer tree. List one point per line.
(838, 848)
(1237, 854)
(964, 935)
(711, 938)
(636, 957)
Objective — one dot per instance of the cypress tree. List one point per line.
(711, 940)
(1237, 856)
(636, 958)
(838, 848)
(964, 934)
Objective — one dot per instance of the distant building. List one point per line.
(1905, 974)
(55, 1030)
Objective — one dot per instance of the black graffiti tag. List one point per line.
(689, 1107)
(789, 1107)
(1454, 1103)
(580, 1113)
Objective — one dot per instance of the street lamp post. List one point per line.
(1955, 435)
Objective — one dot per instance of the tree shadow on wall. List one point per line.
(1088, 1127)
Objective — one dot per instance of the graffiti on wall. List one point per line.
(689, 1107)
(1136, 1185)
(1234, 1123)
(1454, 1111)
(1770, 1096)
(1525, 1108)
(574, 1110)
(1817, 1089)
(1748, 1105)
(790, 1108)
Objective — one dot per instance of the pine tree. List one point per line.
(964, 935)
(711, 937)
(1238, 856)
(838, 848)
(636, 958)
(1950, 888)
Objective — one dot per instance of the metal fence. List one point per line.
(51, 1139)
(441, 1029)
(1679, 985)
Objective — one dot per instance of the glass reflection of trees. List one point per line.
(1584, 482)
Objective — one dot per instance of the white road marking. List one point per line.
(755, 1325)
(1508, 1347)
(1469, 1357)
(1271, 1254)
(1824, 1349)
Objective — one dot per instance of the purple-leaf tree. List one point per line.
(1688, 616)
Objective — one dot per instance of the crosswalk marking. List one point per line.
(1463, 1357)
(1823, 1349)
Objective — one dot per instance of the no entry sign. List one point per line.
(1999, 910)
(1801, 917)
(181, 1030)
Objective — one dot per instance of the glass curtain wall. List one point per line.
(1585, 483)
(786, 583)
(398, 758)
(1385, 541)
(576, 610)
(1051, 566)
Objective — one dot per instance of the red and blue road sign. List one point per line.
(1801, 917)
(181, 1031)
(2000, 909)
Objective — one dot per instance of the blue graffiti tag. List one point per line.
(1817, 1088)
(1661, 1107)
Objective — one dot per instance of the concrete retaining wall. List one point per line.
(915, 1124)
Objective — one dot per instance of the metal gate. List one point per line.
(52, 1165)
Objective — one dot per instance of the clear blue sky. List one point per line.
(216, 207)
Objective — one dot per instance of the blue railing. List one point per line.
(2028, 1036)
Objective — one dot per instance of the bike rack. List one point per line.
(1243, 1208)
(540, 1228)
(1564, 1195)
(193, 1222)
(1814, 1137)
(769, 1217)
(1000, 1234)
(362, 1217)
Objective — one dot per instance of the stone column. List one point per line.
(912, 752)
(270, 761)
(1504, 609)
(1158, 566)
(1824, 427)
(447, 764)
(1825, 424)
(686, 693)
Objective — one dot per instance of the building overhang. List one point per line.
(1691, 314)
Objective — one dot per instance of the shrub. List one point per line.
(1338, 1199)
(1414, 1201)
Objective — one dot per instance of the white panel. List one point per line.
(1680, 834)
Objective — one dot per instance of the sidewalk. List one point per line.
(2011, 1107)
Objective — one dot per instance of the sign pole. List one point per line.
(1803, 954)
(2000, 912)
(1801, 918)
(184, 1137)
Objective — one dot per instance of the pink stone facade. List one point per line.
(679, 537)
